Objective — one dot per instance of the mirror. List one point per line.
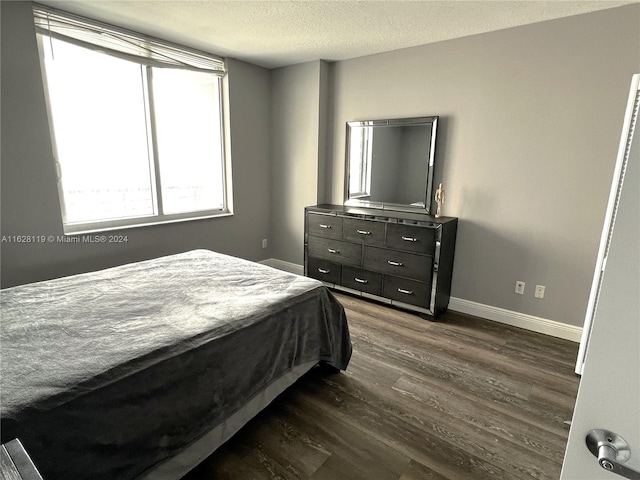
(390, 163)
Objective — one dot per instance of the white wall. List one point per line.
(29, 199)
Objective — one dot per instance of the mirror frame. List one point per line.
(426, 121)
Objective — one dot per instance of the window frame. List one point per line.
(366, 153)
(158, 217)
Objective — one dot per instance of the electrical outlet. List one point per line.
(264, 243)
(539, 293)
(520, 287)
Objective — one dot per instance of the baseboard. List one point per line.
(500, 315)
(282, 265)
(516, 319)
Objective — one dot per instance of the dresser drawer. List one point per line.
(410, 238)
(335, 250)
(324, 270)
(403, 264)
(363, 280)
(366, 232)
(407, 291)
(327, 226)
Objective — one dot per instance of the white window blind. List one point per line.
(137, 126)
(122, 43)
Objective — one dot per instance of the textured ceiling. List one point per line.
(279, 33)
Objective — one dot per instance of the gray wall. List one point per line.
(384, 182)
(530, 124)
(614, 337)
(298, 131)
(415, 144)
(29, 198)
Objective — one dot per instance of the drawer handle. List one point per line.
(406, 292)
(395, 264)
(363, 232)
(332, 250)
(409, 239)
(323, 225)
(361, 280)
(323, 270)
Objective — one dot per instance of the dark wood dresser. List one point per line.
(401, 258)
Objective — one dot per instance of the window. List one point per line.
(138, 135)
(362, 151)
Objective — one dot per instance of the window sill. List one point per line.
(111, 225)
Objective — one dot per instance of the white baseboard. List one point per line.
(500, 315)
(516, 319)
(282, 265)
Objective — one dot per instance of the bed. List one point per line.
(142, 370)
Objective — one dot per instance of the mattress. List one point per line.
(109, 374)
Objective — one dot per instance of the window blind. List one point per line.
(122, 43)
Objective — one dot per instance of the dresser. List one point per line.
(400, 258)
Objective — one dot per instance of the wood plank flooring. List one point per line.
(462, 398)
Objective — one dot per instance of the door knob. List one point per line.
(612, 451)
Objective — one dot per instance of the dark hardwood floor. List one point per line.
(462, 398)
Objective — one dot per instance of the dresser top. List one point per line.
(378, 213)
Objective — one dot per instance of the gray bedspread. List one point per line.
(105, 374)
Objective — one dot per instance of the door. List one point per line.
(609, 393)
